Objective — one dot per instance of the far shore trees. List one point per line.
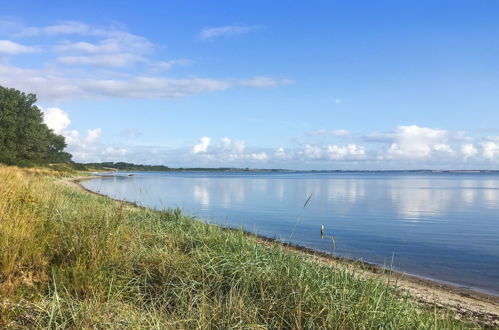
(24, 138)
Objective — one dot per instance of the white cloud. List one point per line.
(350, 151)
(202, 146)
(239, 147)
(211, 33)
(280, 153)
(112, 151)
(87, 47)
(334, 152)
(109, 48)
(433, 146)
(8, 47)
(340, 132)
(68, 27)
(49, 85)
(468, 150)
(313, 151)
(259, 156)
(490, 150)
(166, 65)
(83, 148)
(93, 135)
(115, 37)
(87, 148)
(56, 119)
(107, 60)
(227, 150)
(119, 42)
(261, 81)
(414, 142)
(442, 147)
(52, 85)
(119, 50)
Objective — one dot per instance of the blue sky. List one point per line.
(263, 84)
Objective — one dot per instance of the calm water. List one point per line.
(439, 226)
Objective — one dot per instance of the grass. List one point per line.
(69, 259)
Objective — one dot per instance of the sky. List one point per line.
(361, 85)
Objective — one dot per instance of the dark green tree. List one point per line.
(24, 137)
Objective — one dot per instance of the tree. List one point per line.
(24, 137)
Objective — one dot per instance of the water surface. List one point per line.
(442, 226)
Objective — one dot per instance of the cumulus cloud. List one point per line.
(350, 151)
(259, 156)
(468, 150)
(93, 135)
(490, 150)
(8, 47)
(88, 148)
(280, 153)
(82, 147)
(210, 33)
(440, 150)
(409, 146)
(414, 142)
(56, 119)
(441, 147)
(202, 146)
(227, 150)
(334, 152)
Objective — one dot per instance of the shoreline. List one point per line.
(466, 302)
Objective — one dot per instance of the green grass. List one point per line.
(69, 259)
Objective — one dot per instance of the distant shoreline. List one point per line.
(239, 170)
(131, 167)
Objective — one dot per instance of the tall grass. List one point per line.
(69, 259)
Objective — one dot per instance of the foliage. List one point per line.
(122, 166)
(24, 138)
(69, 259)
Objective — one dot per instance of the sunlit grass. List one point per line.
(74, 260)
